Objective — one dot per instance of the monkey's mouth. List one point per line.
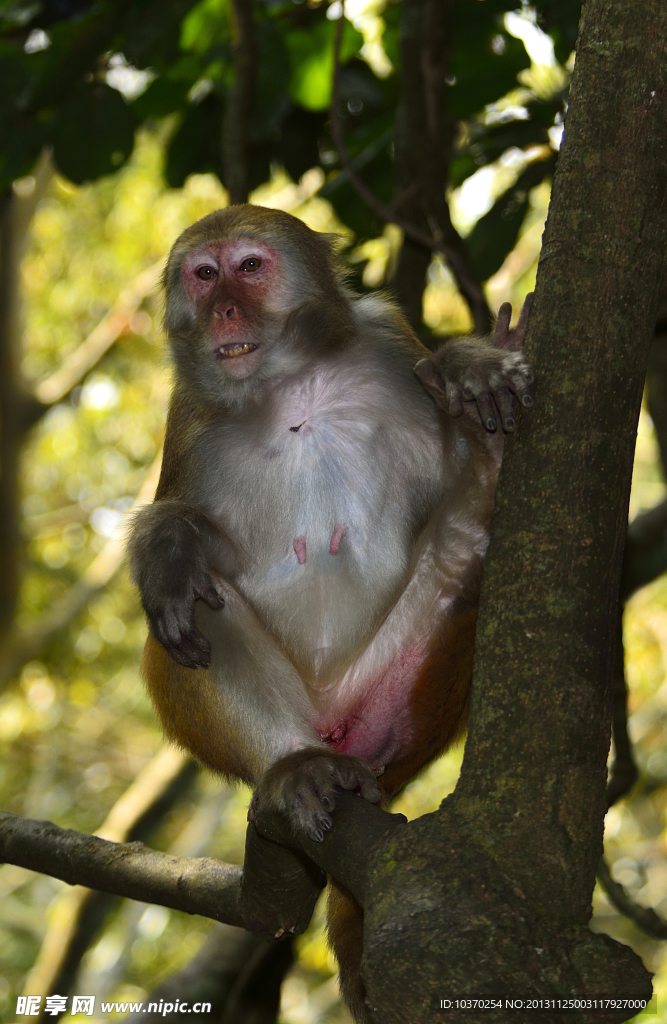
(236, 349)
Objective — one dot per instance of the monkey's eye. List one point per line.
(250, 265)
(207, 273)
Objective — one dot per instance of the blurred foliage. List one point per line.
(89, 77)
(82, 76)
(76, 727)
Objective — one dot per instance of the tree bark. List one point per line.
(239, 103)
(513, 853)
(18, 409)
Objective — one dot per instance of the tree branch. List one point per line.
(272, 895)
(24, 644)
(645, 918)
(198, 886)
(59, 384)
(79, 912)
(239, 103)
(468, 286)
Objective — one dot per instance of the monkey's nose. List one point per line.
(228, 312)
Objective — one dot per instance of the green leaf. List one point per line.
(162, 97)
(92, 132)
(481, 74)
(352, 210)
(206, 24)
(195, 147)
(494, 236)
(298, 148)
(311, 61)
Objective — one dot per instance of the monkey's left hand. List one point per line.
(487, 373)
(302, 786)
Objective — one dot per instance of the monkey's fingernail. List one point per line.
(327, 803)
(509, 423)
(316, 835)
(490, 423)
(528, 376)
(527, 401)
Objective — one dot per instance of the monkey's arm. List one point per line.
(468, 375)
(171, 552)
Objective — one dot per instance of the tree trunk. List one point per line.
(18, 410)
(499, 904)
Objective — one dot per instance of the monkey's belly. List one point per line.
(325, 599)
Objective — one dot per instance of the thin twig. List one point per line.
(645, 918)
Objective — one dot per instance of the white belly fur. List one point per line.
(332, 523)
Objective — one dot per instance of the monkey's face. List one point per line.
(236, 289)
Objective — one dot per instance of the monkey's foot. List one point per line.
(303, 787)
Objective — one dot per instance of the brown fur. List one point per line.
(220, 557)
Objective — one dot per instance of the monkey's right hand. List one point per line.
(172, 616)
(303, 787)
(167, 554)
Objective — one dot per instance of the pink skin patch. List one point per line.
(300, 549)
(336, 538)
(378, 727)
(336, 734)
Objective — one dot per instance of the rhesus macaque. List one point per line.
(311, 565)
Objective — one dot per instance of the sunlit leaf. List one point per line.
(311, 61)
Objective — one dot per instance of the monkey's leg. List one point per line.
(248, 716)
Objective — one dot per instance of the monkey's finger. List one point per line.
(307, 813)
(209, 594)
(487, 411)
(454, 399)
(503, 400)
(357, 776)
(198, 660)
(187, 646)
(192, 636)
(517, 336)
(502, 324)
(370, 791)
(519, 381)
(317, 826)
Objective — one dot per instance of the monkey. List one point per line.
(311, 565)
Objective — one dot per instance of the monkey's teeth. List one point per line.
(229, 351)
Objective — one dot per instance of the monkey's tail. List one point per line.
(346, 931)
